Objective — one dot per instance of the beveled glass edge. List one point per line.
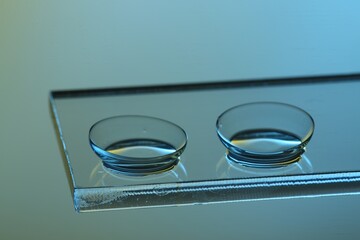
(229, 190)
(62, 146)
(256, 82)
(215, 191)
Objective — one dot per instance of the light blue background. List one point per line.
(47, 45)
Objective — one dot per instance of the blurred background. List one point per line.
(50, 45)
(107, 43)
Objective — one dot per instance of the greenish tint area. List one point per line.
(135, 42)
(46, 45)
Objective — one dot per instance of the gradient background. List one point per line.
(46, 45)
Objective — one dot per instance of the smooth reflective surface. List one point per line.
(227, 168)
(265, 134)
(265, 141)
(141, 148)
(331, 163)
(102, 176)
(137, 145)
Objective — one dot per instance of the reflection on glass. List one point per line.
(103, 176)
(209, 176)
(227, 168)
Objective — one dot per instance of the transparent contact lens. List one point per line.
(265, 134)
(137, 145)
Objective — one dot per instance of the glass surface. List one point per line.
(137, 145)
(204, 175)
(265, 134)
